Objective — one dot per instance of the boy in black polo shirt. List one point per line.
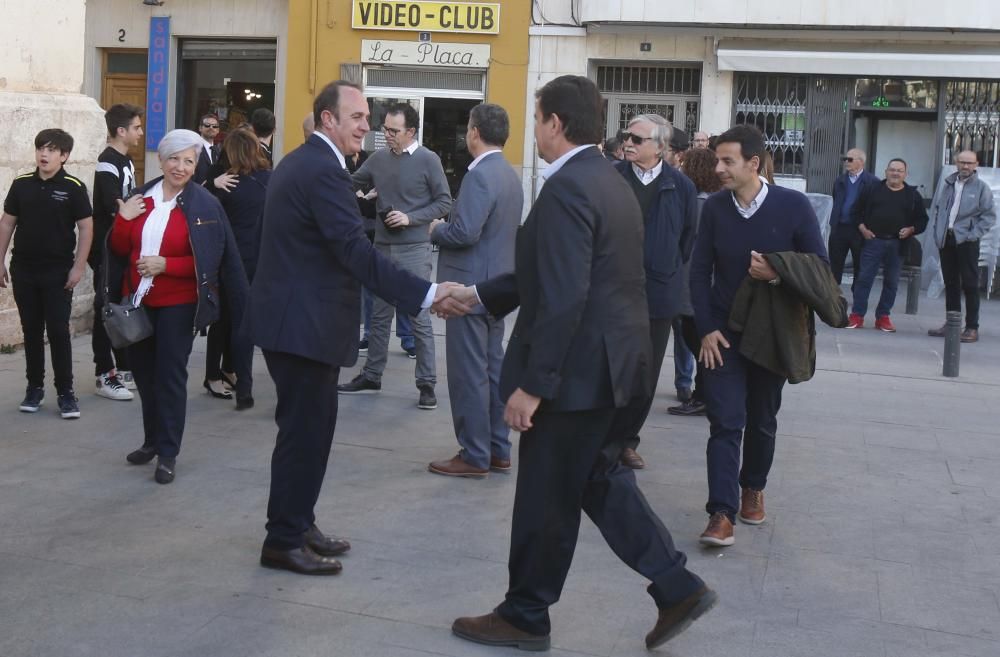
(45, 207)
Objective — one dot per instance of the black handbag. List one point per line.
(125, 323)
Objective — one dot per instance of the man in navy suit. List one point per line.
(578, 358)
(305, 301)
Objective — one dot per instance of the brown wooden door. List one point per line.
(127, 88)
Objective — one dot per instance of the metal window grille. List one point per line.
(628, 111)
(682, 79)
(776, 105)
(972, 119)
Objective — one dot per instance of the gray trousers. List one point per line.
(474, 356)
(416, 259)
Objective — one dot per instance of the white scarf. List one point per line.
(152, 234)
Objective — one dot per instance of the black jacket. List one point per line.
(777, 323)
(669, 235)
(314, 256)
(581, 340)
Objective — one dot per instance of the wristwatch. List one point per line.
(776, 281)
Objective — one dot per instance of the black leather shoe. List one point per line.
(141, 456)
(323, 545)
(300, 560)
(676, 618)
(244, 403)
(164, 471)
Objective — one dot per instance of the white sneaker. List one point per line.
(126, 378)
(110, 386)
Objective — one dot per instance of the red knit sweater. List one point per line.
(175, 286)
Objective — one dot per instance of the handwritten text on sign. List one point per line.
(413, 53)
(421, 16)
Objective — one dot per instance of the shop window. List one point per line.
(227, 78)
(972, 119)
(776, 105)
(883, 93)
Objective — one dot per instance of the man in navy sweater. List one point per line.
(737, 226)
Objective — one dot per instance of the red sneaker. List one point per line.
(855, 321)
(884, 324)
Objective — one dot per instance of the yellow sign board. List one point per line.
(423, 16)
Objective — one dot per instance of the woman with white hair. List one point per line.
(180, 253)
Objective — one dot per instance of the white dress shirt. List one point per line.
(208, 149)
(755, 204)
(479, 158)
(649, 175)
(956, 201)
(551, 170)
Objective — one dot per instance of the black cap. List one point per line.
(679, 140)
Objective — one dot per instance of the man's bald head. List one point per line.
(854, 161)
(966, 161)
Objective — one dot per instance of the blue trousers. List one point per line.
(159, 366)
(743, 401)
(877, 253)
(683, 358)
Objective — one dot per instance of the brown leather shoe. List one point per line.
(301, 560)
(493, 630)
(323, 545)
(499, 465)
(675, 619)
(938, 332)
(751, 507)
(631, 459)
(457, 467)
(719, 532)
(970, 335)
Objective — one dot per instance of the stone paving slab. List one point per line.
(882, 539)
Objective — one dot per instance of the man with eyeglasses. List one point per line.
(208, 128)
(887, 214)
(844, 235)
(412, 192)
(700, 139)
(669, 205)
(963, 212)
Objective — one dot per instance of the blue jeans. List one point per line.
(403, 330)
(875, 253)
(683, 359)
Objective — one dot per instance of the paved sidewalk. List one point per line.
(882, 539)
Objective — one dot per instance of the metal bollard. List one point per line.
(913, 292)
(952, 343)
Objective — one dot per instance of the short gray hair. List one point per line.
(662, 130)
(179, 140)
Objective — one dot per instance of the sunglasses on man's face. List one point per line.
(847, 159)
(635, 139)
(213, 126)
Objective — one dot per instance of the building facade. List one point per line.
(442, 58)
(40, 88)
(913, 79)
(180, 59)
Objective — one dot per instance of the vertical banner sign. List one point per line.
(156, 80)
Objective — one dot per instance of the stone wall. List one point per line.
(40, 88)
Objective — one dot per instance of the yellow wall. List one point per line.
(324, 27)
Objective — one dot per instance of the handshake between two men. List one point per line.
(456, 300)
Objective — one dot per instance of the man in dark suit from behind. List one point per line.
(579, 353)
(477, 242)
(303, 312)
